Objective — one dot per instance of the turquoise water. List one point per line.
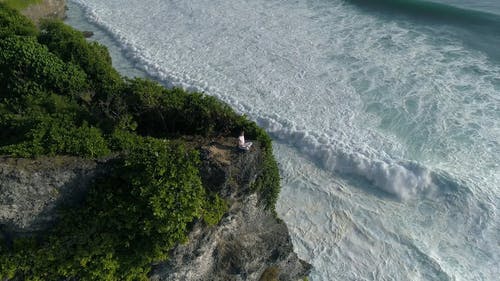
(475, 23)
(487, 6)
(385, 116)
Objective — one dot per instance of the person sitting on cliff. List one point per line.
(241, 142)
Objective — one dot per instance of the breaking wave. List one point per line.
(404, 180)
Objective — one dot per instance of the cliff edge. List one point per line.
(249, 243)
(31, 190)
(148, 188)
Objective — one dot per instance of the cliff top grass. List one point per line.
(20, 4)
(60, 95)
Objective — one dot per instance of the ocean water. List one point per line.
(385, 116)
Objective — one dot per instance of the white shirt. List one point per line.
(241, 141)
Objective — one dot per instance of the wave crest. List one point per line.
(402, 179)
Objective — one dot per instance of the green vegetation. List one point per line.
(20, 4)
(60, 95)
(12, 22)
(130, 219)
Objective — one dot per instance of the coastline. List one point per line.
(132, 59)
(75, 17)
(131, 67)
(326, 215)
(268, 254)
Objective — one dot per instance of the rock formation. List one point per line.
(249, 243)
(31, 190)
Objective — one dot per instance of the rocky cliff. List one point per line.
(31, 190)
(249, 243)
(55, 9)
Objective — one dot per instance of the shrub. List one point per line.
(161, 112)
(214, 209)
(27, 67)
(130, 219)
(20, 4)
(106, 85)
(56, 134)
(13, 23)
(71, 47)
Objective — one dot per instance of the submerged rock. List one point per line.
(87, 34)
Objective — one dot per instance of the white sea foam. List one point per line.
(349, 236)
(353, 94)
(405, 180)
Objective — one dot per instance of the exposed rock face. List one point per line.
(250, 243)
(30, 190)
(54, 9)
(246, 243)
